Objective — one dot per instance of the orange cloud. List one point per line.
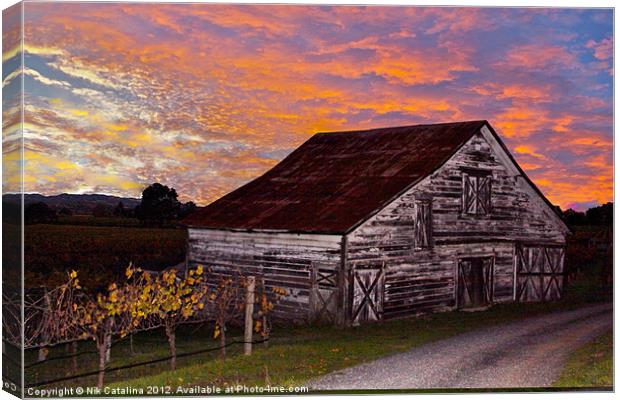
(538, 56)
(529, 150)
(205, 97)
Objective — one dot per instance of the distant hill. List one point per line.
(78, 203)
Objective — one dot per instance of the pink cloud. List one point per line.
(603, 49)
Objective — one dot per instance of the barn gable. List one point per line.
(502, 152)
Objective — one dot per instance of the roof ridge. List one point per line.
(477, 121)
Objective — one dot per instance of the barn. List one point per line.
(385, 223)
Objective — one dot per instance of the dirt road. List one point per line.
(527, 353)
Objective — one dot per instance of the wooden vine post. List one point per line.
(249, 310)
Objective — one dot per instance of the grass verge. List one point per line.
(303, 353)
(591, 366)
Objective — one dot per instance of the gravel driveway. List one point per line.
(527, 353)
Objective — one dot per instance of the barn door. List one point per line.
(367, 287)
(323, 294)
(540, 272)
(475, 282)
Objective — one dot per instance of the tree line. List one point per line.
(602, 215)
(159, 204)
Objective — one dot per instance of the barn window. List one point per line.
(477, 192)
(422, 224)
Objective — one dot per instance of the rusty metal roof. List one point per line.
(336, 180)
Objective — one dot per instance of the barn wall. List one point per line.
(427, 282)
(424, 280)
(282, 259)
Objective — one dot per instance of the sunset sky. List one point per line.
(206, 97)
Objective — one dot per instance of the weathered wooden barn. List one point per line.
(384, 223)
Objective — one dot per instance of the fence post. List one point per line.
(312, 306)
(249, 310)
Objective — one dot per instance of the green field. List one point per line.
(591, 366)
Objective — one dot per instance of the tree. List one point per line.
(572, 217)
(187, 209)
(101, 211)
(96, 320)
(170, 300)
(112, 312)
(39, 213)
(227, 304)
(119, 210)
(601, 215)
(159, 203)
(66, 212)
(11, 213)
(265, 304)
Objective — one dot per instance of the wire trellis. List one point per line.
(50, 315)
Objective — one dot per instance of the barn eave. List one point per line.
(273, 231)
